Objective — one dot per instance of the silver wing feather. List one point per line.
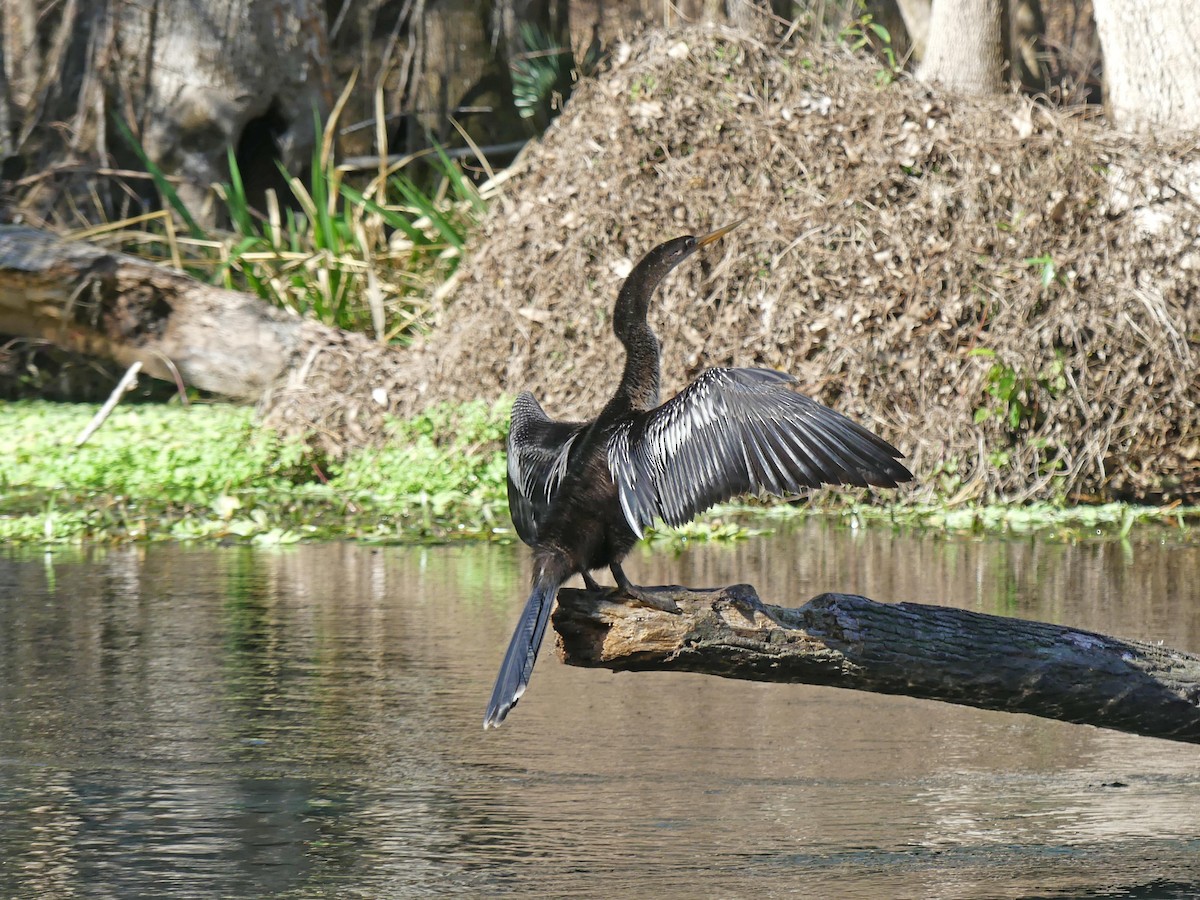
(538, 451)
(738, 431)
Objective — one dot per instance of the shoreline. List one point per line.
(211, 473)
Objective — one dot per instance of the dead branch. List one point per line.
(127, 382)
(913, 649)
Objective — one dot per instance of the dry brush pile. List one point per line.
(1008, 295)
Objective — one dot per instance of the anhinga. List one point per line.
(580, 493)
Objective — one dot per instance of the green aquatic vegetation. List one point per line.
(180, 455)
(724, 524)
(855, 509)
(145, 468)
(441, 472)
(1109, 520)
(210, 472)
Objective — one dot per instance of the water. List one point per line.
(305, 722)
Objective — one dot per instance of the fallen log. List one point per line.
(84, 298)
(912, 649)
(313, 381)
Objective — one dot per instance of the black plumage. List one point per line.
(581, 493)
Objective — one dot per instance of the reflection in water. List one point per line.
(306, 722)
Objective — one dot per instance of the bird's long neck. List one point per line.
(640, 382)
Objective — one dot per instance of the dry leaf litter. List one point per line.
(1007, 294)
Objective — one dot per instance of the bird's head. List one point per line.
(633, 302)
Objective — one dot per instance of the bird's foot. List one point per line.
(639, 596)
(626, 591)
(590, 583)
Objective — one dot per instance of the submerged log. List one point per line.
(931, 652)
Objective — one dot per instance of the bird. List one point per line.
(581, 494)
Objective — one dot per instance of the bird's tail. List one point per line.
(522, 650)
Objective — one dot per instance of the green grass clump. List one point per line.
(361, 251)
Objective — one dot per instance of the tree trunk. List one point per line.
(1023, 42)
(190, 77)
(213, 68)
(966, 47)
(931, 652)
(6, 130)
(915, 14)
(467, 53)
(118, 307)
(1152, 78)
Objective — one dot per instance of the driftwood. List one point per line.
(931, 652)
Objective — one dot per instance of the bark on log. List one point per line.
(931, 652)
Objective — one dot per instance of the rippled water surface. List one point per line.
(306, 722)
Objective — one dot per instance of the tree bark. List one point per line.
(190, 77)
(931, 652)
(915, 14)
(966, 46)
(1022, 42)
(465, 51)
(211, 69)
(1152, 79)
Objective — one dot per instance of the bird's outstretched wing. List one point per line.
(538, 452)
(737, 431)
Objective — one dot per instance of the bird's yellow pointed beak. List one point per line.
(718, 234)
